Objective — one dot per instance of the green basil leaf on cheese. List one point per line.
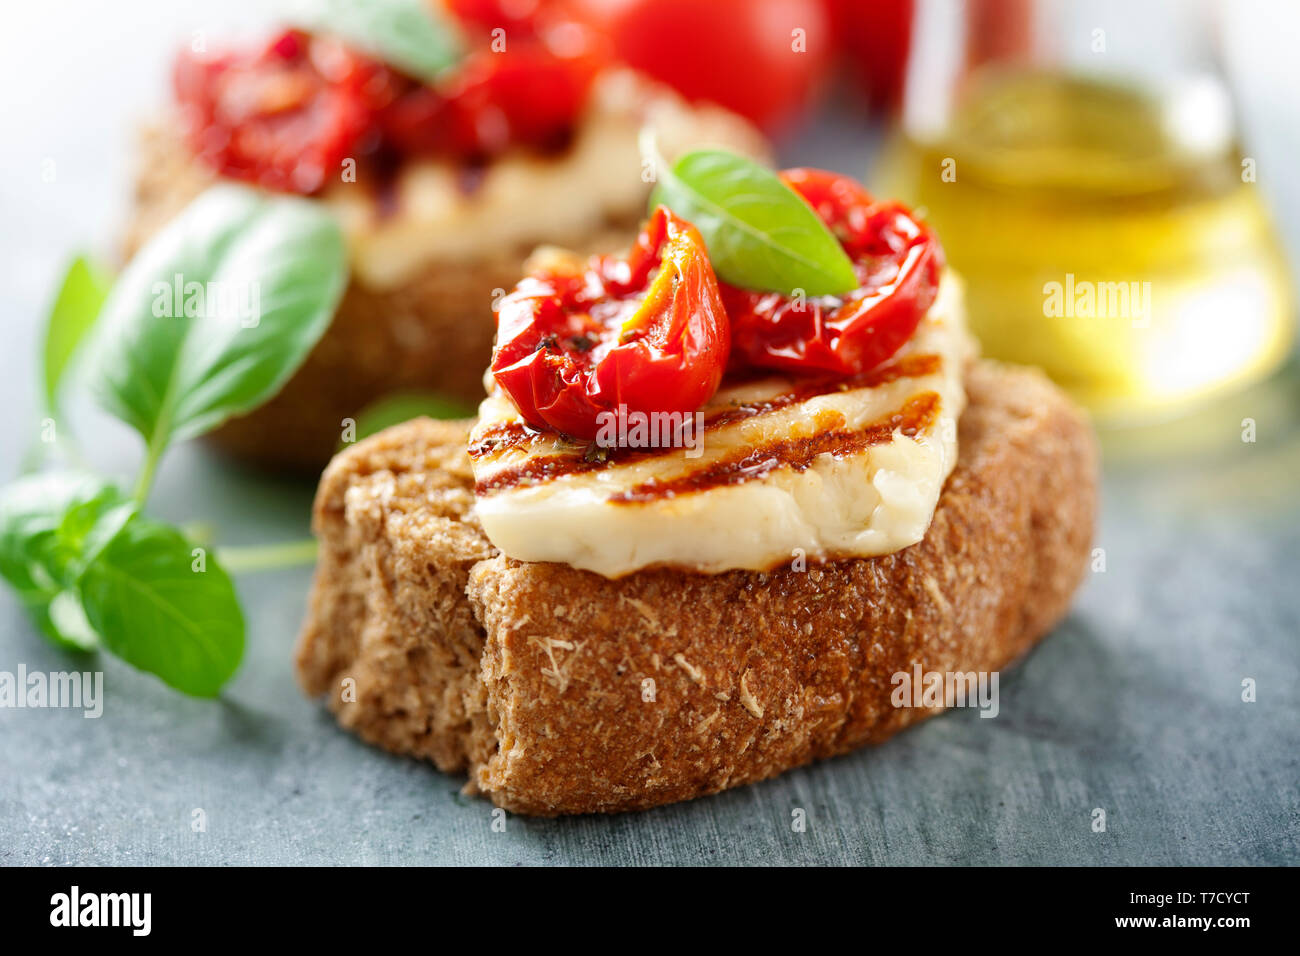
(760, 233)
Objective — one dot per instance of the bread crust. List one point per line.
(533, 677)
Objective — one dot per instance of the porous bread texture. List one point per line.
(560, 691)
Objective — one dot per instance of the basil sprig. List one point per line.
(91, 569)
(50, 526)
(415, 36)
(145, 597)
(82, 293)
(760, 233)
(214, 315)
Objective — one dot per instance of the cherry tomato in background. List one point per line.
(273, 117)
(998, 31)
(742, 54)
(897, 261)
(873, 37)
(525, 85)
(647, 332)
(528, 95)
(510, 15)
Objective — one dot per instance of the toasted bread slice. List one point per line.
(561, 691)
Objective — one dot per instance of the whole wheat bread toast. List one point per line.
(560, 691)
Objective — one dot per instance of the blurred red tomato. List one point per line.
(760, 58)
(874, 36)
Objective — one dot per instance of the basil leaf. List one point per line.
(760, 233)
(91, 570)
(216, 312)
(77, 305)
(151, 607)
(68, 624)
(51, 526)
(415, 36)
(403, 406)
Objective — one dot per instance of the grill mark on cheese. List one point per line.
(911, 366)
(542, 468)
(502, 437)
(797, 453)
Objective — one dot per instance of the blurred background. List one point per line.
(1116, 182)
(1137, 151)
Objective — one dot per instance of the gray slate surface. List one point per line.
(1133, 705)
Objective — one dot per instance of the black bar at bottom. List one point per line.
(338, 905)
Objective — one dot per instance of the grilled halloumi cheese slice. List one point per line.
(783, 469)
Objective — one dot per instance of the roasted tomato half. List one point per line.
(281, 117)
(897, 261)
(286, 116)
(647, 332)
(528, 95)
(523, 82)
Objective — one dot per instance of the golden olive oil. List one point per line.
(1112, 238)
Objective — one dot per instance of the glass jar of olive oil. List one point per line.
(1107, 223)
